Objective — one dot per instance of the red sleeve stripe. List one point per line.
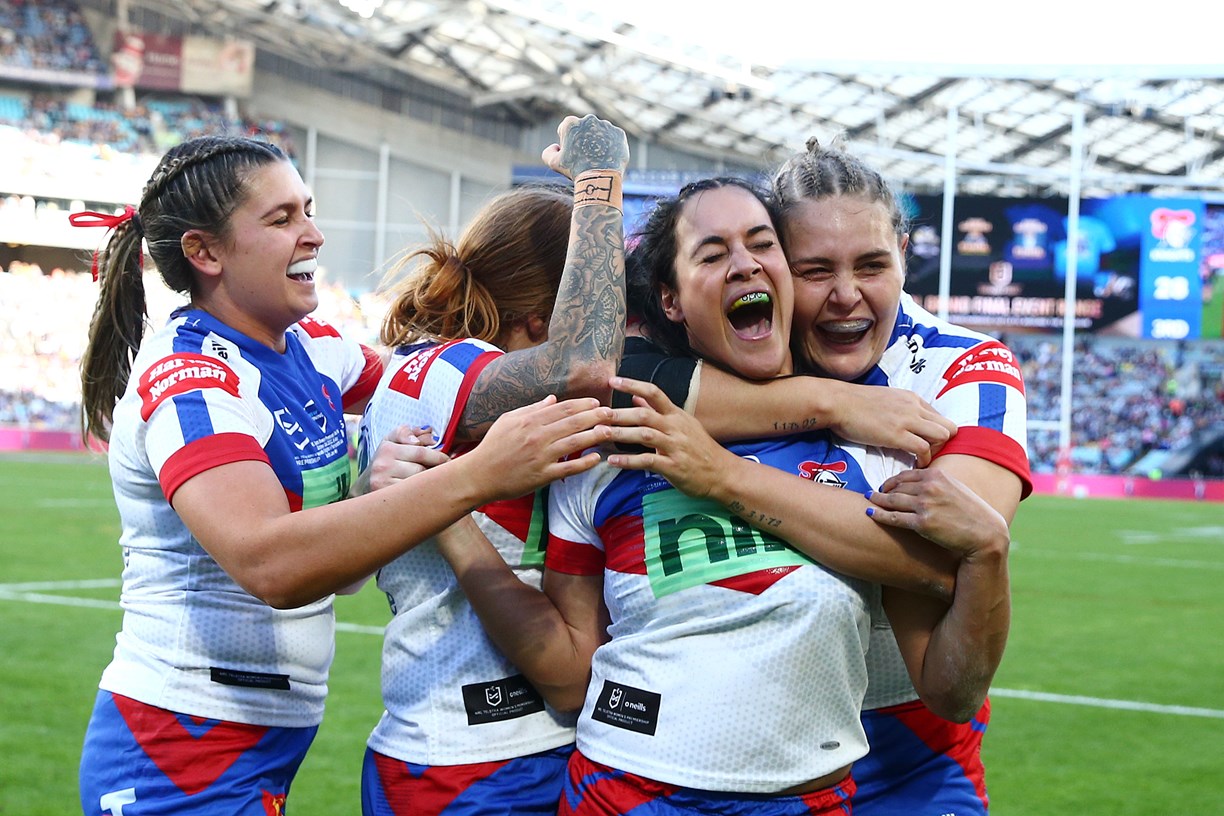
(364, 388)
(625, 542)
(988, 444)
(205, 454)
(573, 558)
(465, 391)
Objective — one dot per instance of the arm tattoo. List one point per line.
(759, 520)
(593, 144)
(807, 424)
(587, 324)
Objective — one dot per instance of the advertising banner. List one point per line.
(200, 65)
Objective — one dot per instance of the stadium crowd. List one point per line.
(49, 35)
(44, 318)
(1129, 396)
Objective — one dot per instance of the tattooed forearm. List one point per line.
(758, 520)
(587, 327)
(807, 424)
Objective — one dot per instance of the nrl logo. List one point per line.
(493, 695)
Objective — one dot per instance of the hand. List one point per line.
(403, 453)
(531, 446)
(682, 452)
(941, 508)
(585, 144)
(890, 418)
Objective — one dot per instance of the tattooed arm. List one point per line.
(587, 328)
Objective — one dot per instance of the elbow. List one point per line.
(958, 705)
(277, 592)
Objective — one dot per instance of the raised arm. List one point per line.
(587, 327)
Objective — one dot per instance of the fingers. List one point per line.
(634, 461)
(591, 143)
(551, 156)
(890, 518)
(572, 466)
(648, 394)
(564, 126)
(411, 435)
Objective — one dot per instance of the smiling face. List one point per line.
(849, 268)
(264, 269)
(733, 290)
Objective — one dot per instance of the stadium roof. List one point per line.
(1013, 124)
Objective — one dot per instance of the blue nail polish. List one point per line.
(871, 511)
(867, 495)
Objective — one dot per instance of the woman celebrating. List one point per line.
(702, 608)
(228, 461)
(529, 301)
(845, 235)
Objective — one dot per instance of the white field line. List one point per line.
(1097, 702)
(1113, 558)
(34, 592)
(26, 593)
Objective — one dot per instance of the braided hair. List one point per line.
(197, 185)
(821, 172)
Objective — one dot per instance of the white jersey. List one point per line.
(973, 380)
(203, 395)
(735, 663)
(451, 697)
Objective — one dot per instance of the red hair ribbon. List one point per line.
(88, 218)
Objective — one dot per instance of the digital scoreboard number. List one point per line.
(1170, 293)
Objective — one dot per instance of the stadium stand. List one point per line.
(1135, 402)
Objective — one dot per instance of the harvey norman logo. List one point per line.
(990, 362)
(180, 374)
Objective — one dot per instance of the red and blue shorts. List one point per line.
(139, 759)
(592, 789)
(921, 764)
(523, 785)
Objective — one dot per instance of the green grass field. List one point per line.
(1110, 701)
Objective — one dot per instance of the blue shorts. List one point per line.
(592, 789)
(140, 759)
(920, 764)
(524, 785)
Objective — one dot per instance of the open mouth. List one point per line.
(303, 271)
(751, 315)
(846, 332)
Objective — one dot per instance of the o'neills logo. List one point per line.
(989, 362)
(409, 379)
(179, 374)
